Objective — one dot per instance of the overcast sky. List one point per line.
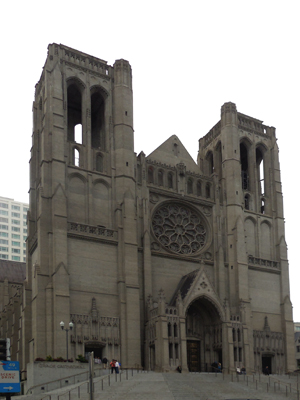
(188, 58)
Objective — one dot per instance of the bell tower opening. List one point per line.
(204, 336)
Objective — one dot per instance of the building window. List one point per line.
(4, 248)
(99, 163)
(210, 162)
(3, 212)
(198, 188)
(25, 209)
(74, 109)
(76, 156)
(170, 180)
(247, 202)
(150, 175)
(244, 166)
(4, 256)
(3, 205)
(15, 243)
(16, 251)
(14, 236)
(2, 219)
(160, 178)
(78, 133)
(170, 350)
(16, 215)
(3, 234)
(3, 241)
(97, 120)
(14, 207)
(207, 190)
(15, 229)
(4, 227)
(24, 223)
(15, 222)
(260, 171)
(169, 330)
(25, 230)
(15, 258)
(190, 186)
(175, 330)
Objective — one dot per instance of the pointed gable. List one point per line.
(173, 152)
(194, 285)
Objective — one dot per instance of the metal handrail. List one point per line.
(63, 379)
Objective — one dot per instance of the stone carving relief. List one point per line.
(179, 228)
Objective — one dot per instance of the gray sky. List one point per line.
(188, 58)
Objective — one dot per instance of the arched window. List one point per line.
(170, 350)
(78, 133)
(76, 157)
(244, 166)
(218, 160)
(99, 163)
(169, 329)
(210, 162)
(150, 175)
(97, 119)
(176, 350)
(262, 206)
(247, 202)
(198, 188)
(207, 190)
(175, 330)
(74, 101)
(160, 178)
(260, 171)
(190, 186)
(170, 180)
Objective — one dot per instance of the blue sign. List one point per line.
(10, 377)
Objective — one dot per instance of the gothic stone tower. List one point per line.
(157, 260)
(82, 249)
(215, 257)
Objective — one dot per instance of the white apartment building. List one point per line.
(13, 229)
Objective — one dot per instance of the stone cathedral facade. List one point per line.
(157, 260)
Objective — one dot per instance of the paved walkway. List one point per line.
(174, 386)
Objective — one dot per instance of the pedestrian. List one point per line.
(113, 365)
(117, 366)
(104, 361)
(267, 372)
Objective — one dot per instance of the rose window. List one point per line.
(179, 229)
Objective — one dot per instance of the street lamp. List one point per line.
(62, 325)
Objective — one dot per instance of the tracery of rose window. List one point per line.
(179, 228)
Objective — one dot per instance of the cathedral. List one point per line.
(157, 261)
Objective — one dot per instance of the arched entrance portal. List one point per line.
(204, 335)
(95, 346)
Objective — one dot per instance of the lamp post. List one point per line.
(62, 325)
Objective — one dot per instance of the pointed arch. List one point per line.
(75, 89)
(77, 198)
(98, 98)
(250, 236)
(101, 204)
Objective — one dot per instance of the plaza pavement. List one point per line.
(175, 386)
